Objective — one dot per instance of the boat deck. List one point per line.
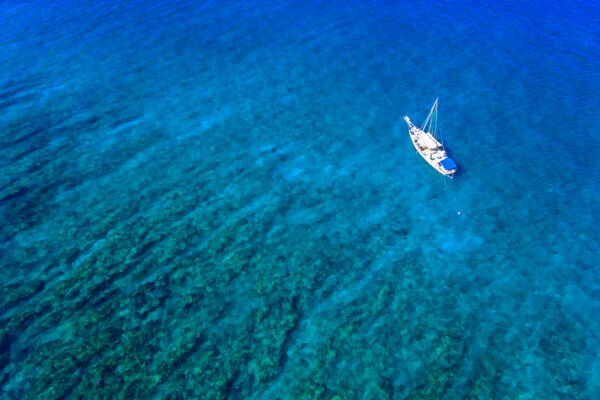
(430, 149)
(428, 146)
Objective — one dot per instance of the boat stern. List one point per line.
(449, 166)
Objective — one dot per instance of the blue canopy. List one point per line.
(448, 164)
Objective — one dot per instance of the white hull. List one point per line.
(429, 148)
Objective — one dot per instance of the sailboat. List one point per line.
(424, 139)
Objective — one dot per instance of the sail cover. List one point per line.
(428, 141)
(448, 164)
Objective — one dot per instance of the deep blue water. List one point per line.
(220, 200)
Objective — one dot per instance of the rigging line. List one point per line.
(427, 121)
(436, 116)
(414, 115)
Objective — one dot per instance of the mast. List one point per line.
(431, 122)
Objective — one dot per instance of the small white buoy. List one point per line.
(459, 213)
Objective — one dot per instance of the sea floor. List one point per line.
(220, 200)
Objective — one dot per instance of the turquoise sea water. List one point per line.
(220, 200)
